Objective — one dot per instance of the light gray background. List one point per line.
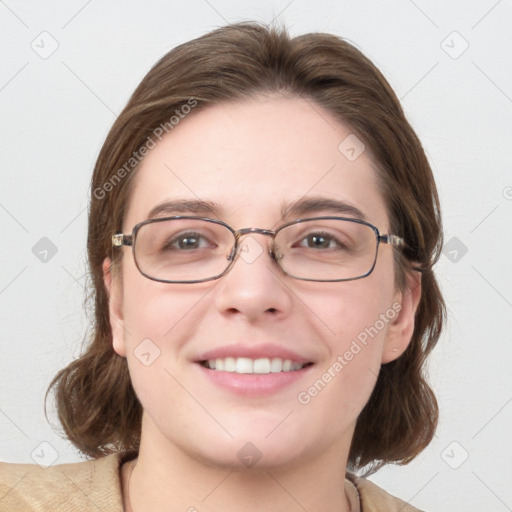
(56, 112)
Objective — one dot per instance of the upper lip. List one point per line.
(253, 352)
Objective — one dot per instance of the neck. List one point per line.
(173, 480)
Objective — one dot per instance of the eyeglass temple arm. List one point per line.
(395, 240)
(120, 239)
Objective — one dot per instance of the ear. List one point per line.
(400, 331)
(115, 306)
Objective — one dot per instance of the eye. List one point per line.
(322, 240)
(187, 241)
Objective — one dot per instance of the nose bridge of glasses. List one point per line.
(246, 231)
(256, 231)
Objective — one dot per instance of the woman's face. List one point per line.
(251, 159)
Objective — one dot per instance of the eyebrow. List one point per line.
(178, 206)
(300, 208)
(309, 205)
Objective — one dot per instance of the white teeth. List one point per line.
(247, 365)
(243, 365)
(261, 365)
(229, 364)
(276, 365)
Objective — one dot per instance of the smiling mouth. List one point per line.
(255, 366)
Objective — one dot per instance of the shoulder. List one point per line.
(90, 485)
(375, 499)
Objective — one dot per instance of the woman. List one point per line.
(262, 229)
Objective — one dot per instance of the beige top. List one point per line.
(95, 485)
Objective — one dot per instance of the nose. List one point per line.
(254, 285)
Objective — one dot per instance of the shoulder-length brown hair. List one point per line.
(96, 403)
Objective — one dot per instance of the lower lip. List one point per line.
(253, 383)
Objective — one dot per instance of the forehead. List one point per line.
(253, 160)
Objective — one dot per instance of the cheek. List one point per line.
(338, 390)
(353, 310)
(154, 310)
(152, 324)
(356, 318)
(160, 320)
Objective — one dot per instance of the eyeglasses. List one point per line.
(185, 249)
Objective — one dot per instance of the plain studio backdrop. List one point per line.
(68, 69)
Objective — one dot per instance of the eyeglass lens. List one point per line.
(194, 249)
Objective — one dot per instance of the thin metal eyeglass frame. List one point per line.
(121, 239)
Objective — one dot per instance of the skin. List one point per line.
(249, 157)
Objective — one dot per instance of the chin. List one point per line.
(246, 456)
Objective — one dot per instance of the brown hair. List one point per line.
(96, 403)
